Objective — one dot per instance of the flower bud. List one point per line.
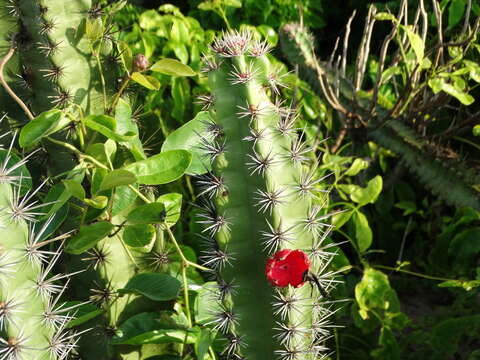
(140, 63)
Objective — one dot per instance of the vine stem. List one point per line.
(185, 294)
(429, 277)
(119, 93)
(184, 259)
(8, 89)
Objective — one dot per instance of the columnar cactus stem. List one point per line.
(31, 323)
(264, 202)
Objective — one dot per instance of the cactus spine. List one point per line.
(32, 322)
(261, 197)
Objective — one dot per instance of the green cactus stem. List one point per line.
(32, 324)
(261, 197)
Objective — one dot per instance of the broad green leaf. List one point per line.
(43, 125)
(117, 178)
(447, 335)
(125, 55)
(123, 198)
(172, 67)
(464, 251)
(161, 168)
(82, 313)
(75, 189)
(155, 286)
(455, 12)
(173, 206)
(439, 83)
(187, 137)
(106, 125)
(88, 236)
(366, 195)
(474, 69)
(204, 341)
(151, 328)
(138, 235)
(93, 28)
(357, 166)
(204, 307)
(363, 233)
(388, 346)
(147, 81)
(374, 292)
(153, 213)
(416, 42)
(125, 124)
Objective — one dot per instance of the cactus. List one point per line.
(261, 197)
(33, 323)
(435, 174)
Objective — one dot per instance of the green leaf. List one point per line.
(117, 178)
(94, 28)
(74, 188)
(357, 166)
(172, 67)
(106, 125)
(97, 202)
(161, 168)
(187, 137)
(125, 124)
(82, 313)
(474, 70)
(416, 42)
(366, 195)
(138, 235)
(204, 341)
(155, 286)
(151, 328)
(153, 213)
(204, 307)
(173, 205)
(476, 130)
(43, 125)
(389, 348)
(455, 12)
(88, 236)
(363, 233)
(465, 284)
(373, 292)
(382, 16)
(147, 81)
(439, 83)
(125, 55)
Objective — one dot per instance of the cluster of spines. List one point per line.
(46, 55)
(33, 322)
(272, 149)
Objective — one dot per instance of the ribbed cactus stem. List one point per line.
(265, 202)
(32, 323)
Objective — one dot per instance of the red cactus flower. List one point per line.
(287, 267)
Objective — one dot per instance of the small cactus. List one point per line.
(262, 197)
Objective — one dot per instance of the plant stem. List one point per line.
(185, 294)
(8, 89)
(184, 259)
(413, 273)
(119, 93)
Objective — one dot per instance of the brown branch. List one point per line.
(8, 89)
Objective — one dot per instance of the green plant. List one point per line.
(261, 195)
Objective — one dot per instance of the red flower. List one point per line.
(287, 267)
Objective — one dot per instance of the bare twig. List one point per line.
(345, 43)
(383, 54)
(438, 17)
(467, 18)
(364, 50)
(8, 89)
(332, 56)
